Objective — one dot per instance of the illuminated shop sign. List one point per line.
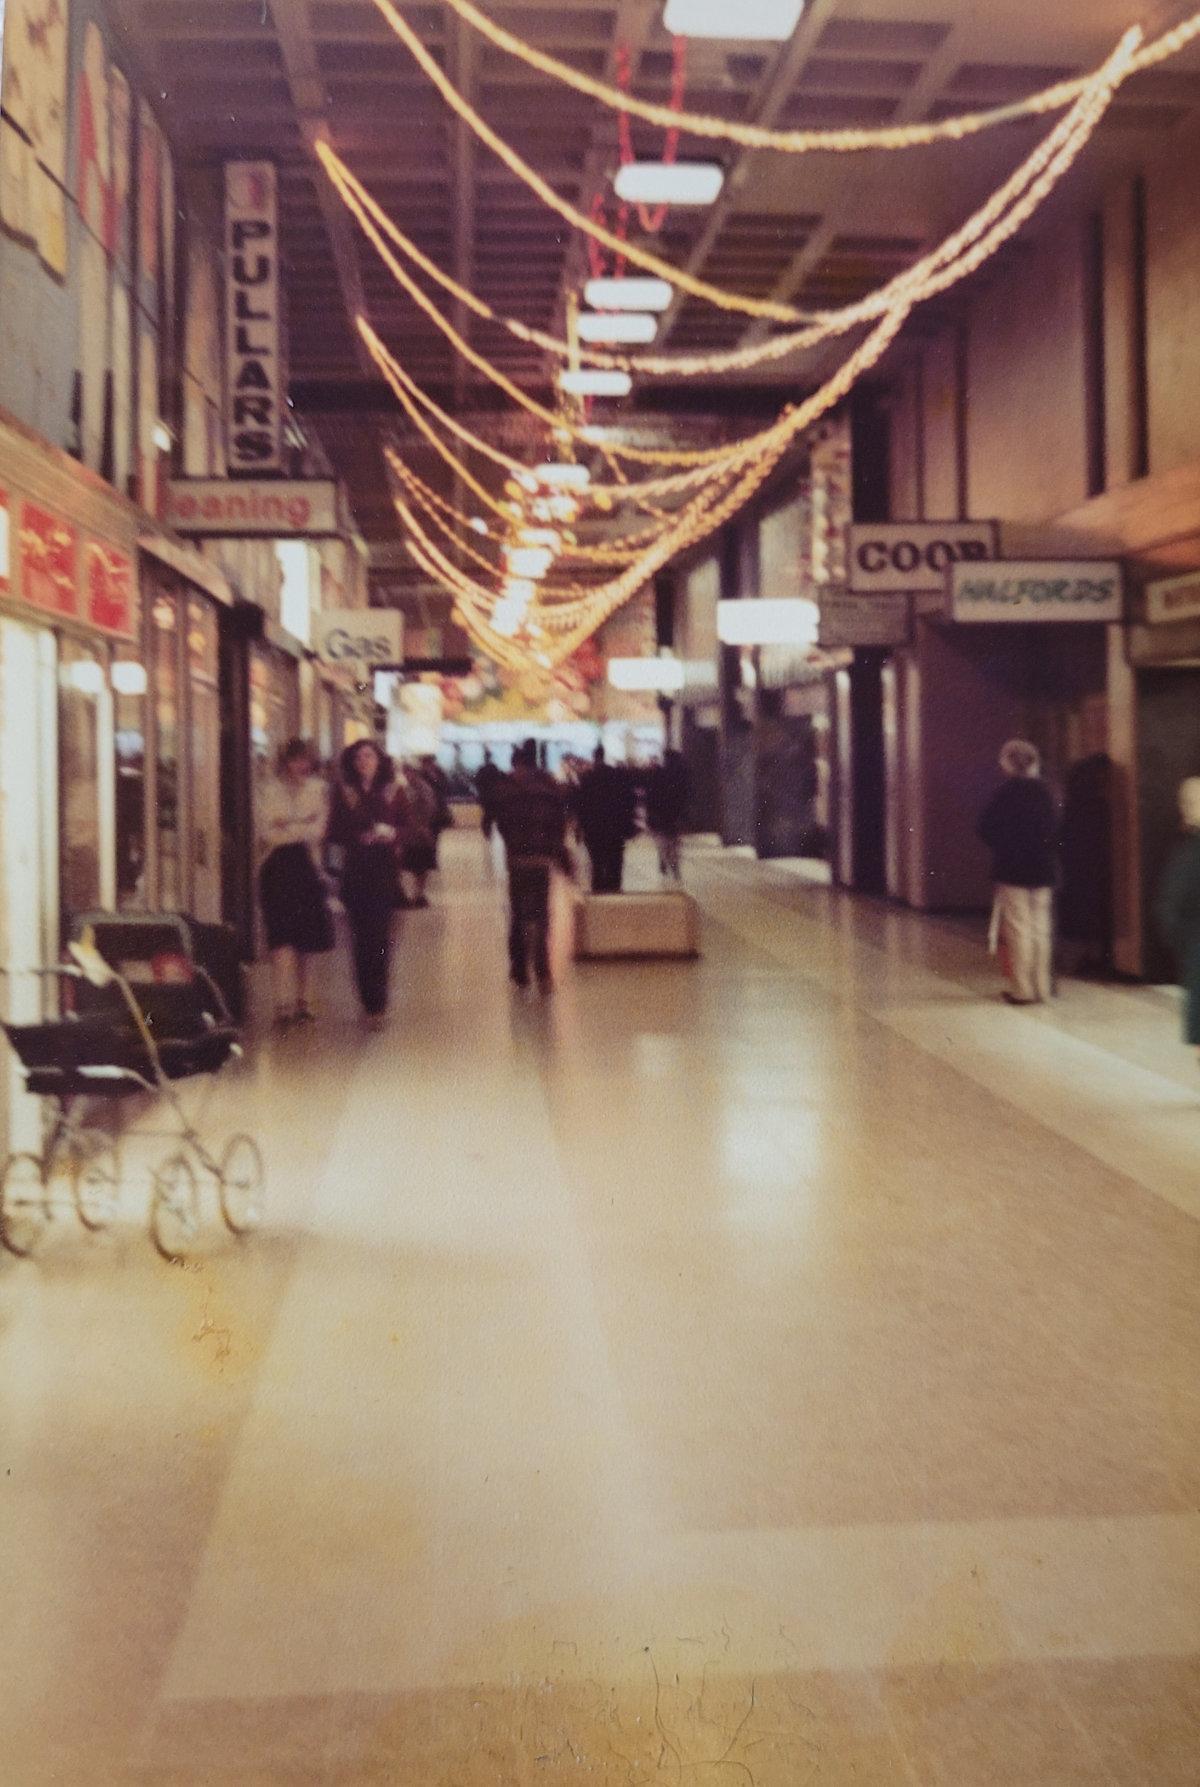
(273, 508)
(912, 557)
(254, 386)
(1037, 590)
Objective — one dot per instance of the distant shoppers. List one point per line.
(362, 824)
(295, 914)
(489, 779)
(438, 782)
(1179, 907)
(1020, 827)
(531, 815)
(667, 795)
(1085, 896)
(416, 818)
(605, 808)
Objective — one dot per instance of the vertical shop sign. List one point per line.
(108, 589)
(48, 561)
(254, 363)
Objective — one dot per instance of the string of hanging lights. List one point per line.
(803, 142)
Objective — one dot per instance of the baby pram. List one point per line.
(139, 1014)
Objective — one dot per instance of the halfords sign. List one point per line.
(274, 508)
(912, 557)
(254, 381)
(1037, 590)
(359, 636)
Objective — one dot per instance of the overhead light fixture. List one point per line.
(662, 676)
(768, 620)
(628, 294)
(504, 622)
(594, 381)
(528, 561)
(564, 475)
(747, 21)
(618, 327)
(669, 182)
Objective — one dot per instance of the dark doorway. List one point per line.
(1168, 751)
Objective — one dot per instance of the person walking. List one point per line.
(292, 895)
(362, 824)
(416, 818)
(1020, 827)
(1178, 908)
(489, 779)
(667, 795)
(605, 810)
(531, 817)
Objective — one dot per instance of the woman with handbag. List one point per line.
(362, 825)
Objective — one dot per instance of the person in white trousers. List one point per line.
(1020, 826)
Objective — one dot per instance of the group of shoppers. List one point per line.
(378, 826)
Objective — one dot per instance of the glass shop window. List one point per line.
(129, 683)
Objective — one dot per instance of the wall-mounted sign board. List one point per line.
(1036, 590)
(864, 620)
(1173, 599)
(273, 508)
(908, 557)
(359, 636)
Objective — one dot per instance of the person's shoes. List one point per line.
(420, 904)
(1012, 999)
(519, 980)
(545, 985)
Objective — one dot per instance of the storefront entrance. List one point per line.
(1168, 751)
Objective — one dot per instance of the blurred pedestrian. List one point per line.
(362, 825)
(295, 912)
(416, 819)
(1020, 827)
(489, 779)
(531, 816)
(1178, 907)
(667, 794)
(605, 810)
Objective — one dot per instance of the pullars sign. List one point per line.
(254, 377)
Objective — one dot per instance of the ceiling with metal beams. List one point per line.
(269, 77)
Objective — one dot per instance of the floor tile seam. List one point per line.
(998, 1085)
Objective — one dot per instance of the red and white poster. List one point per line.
(109, 589)
(48, 561)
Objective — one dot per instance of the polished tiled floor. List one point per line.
(776, 1370)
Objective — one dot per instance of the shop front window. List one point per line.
(82, 686)
(128, 679)
(164, 645)
(204, 732)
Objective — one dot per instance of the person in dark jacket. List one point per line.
(489, 779)
(362, 825)
(605, 808)
(1020, 827)
(1178, 907)
(531, 816)
(667, 795)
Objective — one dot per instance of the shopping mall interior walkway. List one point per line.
(775, 1370)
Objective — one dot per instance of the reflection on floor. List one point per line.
(779, 1369)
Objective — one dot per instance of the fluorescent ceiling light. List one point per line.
(566, 477)
(658, 675)
(619, 327)
(743, 21)
(669, 182)
(505, 623)
(628, 294)
(770, 620)
(594, 381)
(528, 561)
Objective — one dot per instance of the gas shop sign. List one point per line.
(1037, 590)
(912, 557)
(254, 380)
(354, 636)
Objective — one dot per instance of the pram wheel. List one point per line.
(24, 1204)
(241, 1183)
(95, 1177)
(175, 1209)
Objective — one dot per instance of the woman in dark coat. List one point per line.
(362, 824)
(1179, 907)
